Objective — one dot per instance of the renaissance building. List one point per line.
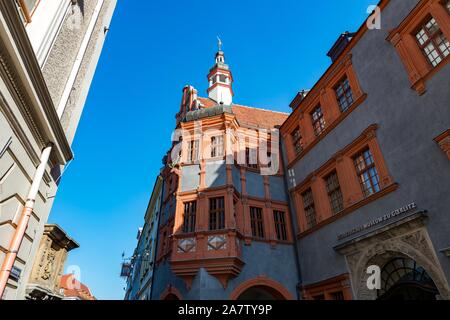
(347, 200)
(49, 50)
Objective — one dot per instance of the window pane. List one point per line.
(433, 42)
(308, 203)
(257, 222)
(367, 173)
(216, 213)
(344, 94)
(334, 193)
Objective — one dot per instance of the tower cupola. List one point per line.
(220, 80)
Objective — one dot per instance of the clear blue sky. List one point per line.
(155, 48)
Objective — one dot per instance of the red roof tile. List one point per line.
(250, 116)
(74, 288)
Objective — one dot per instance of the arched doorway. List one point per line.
(260, 293)
(261, 288)
(171, 296)
(403, 279)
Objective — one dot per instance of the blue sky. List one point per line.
(155, 48)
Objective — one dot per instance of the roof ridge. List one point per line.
(249, 107)
(261, 109)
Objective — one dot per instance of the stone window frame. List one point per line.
(322, 94)
(257, 222)
(342, 162)
(189, 216)
(403, 39)
(279, 220)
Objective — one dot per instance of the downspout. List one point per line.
(24, 219)
(22, 226)
(293, 214)
(79, 59)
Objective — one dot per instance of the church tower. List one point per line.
(220, 80)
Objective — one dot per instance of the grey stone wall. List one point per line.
(408, 123)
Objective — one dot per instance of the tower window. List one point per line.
(190, 209)
(193, 147)
(217, 146)
(257, 222)
(367, 173)
(280, 225)
(309, 208)
(334, 193)
(318, 120)
(297, 141)
(433, 42)
(344, 94)
(223, 78)
(217, 213)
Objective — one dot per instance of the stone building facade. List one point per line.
(49, 50)
(48, 269)
(368, 167)
(358, 205)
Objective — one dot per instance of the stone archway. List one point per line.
(379, 250)
(261, 288)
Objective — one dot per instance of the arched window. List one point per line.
(403, 279)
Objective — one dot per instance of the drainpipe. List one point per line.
(24, 219)
(293, 215)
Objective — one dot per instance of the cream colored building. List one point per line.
(49, 50)
(48, 268)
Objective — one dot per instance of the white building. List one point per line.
(49, 50)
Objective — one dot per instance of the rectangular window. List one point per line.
(297, 141)
(280, 225)
(217, 213)
(334, 193)
(432, 41)
(190, 209)
(319, 297)
(257, 222)
(367, 173)
(251, 158)
(193, 150)
(318, 120)
(217, 146)
(344, 94)
(309, 208)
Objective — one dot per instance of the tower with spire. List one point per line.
(220, 80)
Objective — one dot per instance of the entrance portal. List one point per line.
(403, 279)
(261, 293)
